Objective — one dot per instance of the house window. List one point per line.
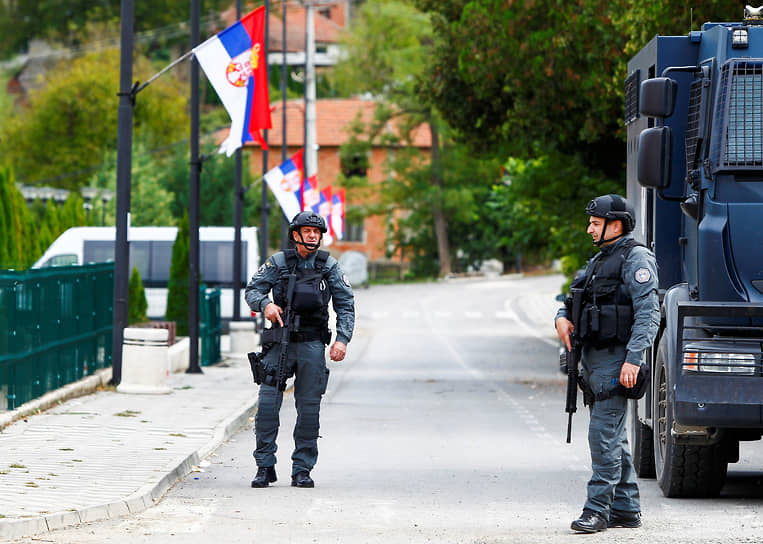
(354, 231)
(355, 165)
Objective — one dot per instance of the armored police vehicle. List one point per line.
(694, 116)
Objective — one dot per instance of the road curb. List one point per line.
(143, 498)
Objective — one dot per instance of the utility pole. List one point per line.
(124, 169)
(311, 152)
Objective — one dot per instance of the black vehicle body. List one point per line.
(694, 116)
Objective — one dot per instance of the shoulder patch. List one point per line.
(346, 280)
(642, 275)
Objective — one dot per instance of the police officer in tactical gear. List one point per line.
(319, 280)
(619, 319)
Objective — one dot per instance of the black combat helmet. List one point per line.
(307, 219)
(613, 207)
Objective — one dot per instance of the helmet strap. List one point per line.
(603, 231)
(308, 246)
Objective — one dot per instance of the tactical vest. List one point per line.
(607, 314)
(311, 291)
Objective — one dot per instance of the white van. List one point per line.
(151, 253)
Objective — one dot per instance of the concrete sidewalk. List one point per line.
(109, 454)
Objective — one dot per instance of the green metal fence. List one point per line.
(55, 328)
(210, 326)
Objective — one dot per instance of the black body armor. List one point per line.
(311, 296)
(607, 314)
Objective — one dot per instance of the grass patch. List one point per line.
(16, 465)
(179, 435)
(65, 449)
(160, 448)
(77, 461)
(31, 484)
(184, 387)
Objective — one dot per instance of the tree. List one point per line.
(150, 202)
(137, 305)
(61, 138)
(389, 65)
(178, 289)
(67, 20)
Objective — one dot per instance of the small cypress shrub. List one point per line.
(136, 299)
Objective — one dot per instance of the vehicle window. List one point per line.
(98, 251)
(60, 260)
(161, 260)
(216, 262)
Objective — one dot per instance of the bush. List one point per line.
(136, 299)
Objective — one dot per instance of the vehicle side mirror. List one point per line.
(654, 146)
(658, 97)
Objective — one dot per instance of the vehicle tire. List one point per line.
(682, 471)
(642, 444)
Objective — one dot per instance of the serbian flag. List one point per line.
(323, 208)
(285, 181)
(234, 62)
(310, 195)
(337, 214)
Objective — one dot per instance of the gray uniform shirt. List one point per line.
(639, 275)
(258, 289)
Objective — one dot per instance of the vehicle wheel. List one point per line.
(682, 471)
(642, 444)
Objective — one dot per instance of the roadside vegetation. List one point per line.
(524, 102)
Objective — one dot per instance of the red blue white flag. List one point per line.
(337, 214)
(310, 195)
(235, 64)
(323, 208)
(285, 180)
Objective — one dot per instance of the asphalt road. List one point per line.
(445, 424)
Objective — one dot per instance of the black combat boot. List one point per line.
(630, 520)
(265, 476)
(589, 522)
(302, 479)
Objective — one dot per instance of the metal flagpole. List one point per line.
(238, 197)
(193, 207)
(265, 206)
(124, 168)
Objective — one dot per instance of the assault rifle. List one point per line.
(572, 357)
(291, 324)
(276, 335)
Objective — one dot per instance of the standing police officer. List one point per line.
(619, 320)
(319, 280)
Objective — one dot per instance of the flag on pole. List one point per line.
(337, 214)
(310, 195)
(235, 64)
(323, 208)
(285, 181)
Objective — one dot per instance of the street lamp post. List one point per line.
(106, 197)
(88, 193)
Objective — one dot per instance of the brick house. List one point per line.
(333, 117)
